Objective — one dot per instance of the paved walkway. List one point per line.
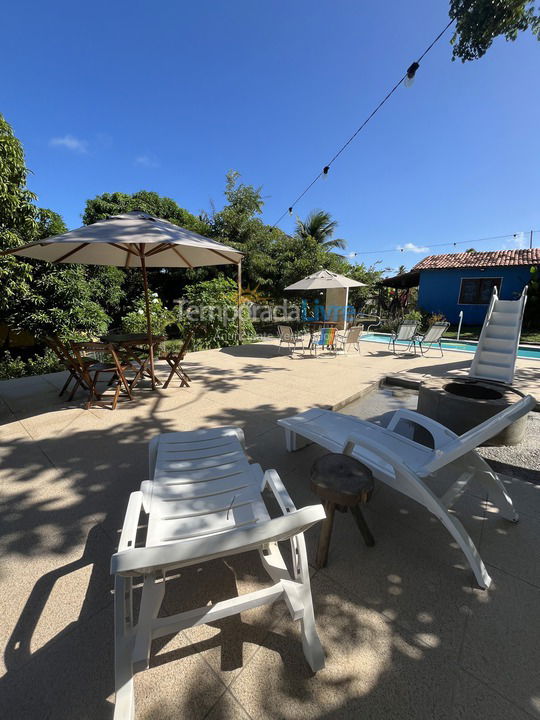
(406, 633)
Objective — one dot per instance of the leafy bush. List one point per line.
(15, 367)
(211, 314)
(160, 317)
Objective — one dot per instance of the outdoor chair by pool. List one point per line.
(350, 337)
(174, 359)
(325, 339)
(433, 336)
(406, 332)
(409, 466)
(105, 362)
(204, 502)
(288, 337)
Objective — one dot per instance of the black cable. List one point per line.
(448, 244)
(362, 126)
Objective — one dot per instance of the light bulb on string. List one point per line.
(411, 72)
(326, 168)
(290, 211)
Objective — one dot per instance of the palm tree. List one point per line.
(320, 226)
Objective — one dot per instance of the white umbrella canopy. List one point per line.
(324, 279)
(123, 240)
(132, 240)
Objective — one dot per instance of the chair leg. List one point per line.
(311, 644)
(124, 708)
(65, 387)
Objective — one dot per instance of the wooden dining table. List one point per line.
(135, 348)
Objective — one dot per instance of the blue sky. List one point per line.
(123, 96)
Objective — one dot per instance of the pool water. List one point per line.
(463, 346)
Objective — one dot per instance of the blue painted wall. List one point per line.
(439, 290)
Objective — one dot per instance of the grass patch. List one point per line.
(472, 332)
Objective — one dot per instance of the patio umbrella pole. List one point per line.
(148, 320)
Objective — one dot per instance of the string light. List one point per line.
(407, 78)
(411, 72)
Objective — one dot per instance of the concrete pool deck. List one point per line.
(406, 632)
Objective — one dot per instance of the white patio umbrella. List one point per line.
(131, 240)
(327, 280)
(324, 279)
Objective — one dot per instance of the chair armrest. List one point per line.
(374, 447)
(274, 482)
(131, 521)
(440, 434)
(144, 560)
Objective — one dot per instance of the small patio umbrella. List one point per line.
(326, 280)
(130, 240)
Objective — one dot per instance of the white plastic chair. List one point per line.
(204, 502)
(406, 332)
(433, 336)
(350, 337)
(407, 465)
(288, 337)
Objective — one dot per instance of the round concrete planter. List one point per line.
(461, 405)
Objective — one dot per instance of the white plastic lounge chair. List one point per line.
(288, 337)
(407, 466)
(433, 336)
(350, 337)
(405, 332)
(204, 502)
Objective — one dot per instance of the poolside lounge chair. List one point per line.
(288, 337)
(408, 466)
(350, 337)
(405, 332)
(204, 502)
(433, 336)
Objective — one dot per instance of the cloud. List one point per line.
(411, 247)
(147, 161)
(519, 240)
(351, 254)
(71, 143)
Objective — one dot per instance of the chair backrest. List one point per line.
(63, 352)
(285, 333)
(327, 336)
(354, 334)
(406, 331)
(186, 344)
(97, 350)
(435, 332)
(459, 446)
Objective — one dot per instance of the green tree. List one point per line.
(320, 226)
(479, 22)
(38, 297)
(107, 204)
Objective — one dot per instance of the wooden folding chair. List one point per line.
(92, 373)
(70, 362)
(174, 361)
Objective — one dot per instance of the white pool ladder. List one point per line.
(496, 353)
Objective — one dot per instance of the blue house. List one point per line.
(464, 281)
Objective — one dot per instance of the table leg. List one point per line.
(362, 526)
(324, 537)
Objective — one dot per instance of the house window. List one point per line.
(478, 291)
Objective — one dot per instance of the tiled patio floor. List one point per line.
(406, 632)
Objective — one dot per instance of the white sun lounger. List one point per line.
(407, 466)
(204, 502)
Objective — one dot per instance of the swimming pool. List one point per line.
(524, 351)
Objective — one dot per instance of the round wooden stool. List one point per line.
(341, 482)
